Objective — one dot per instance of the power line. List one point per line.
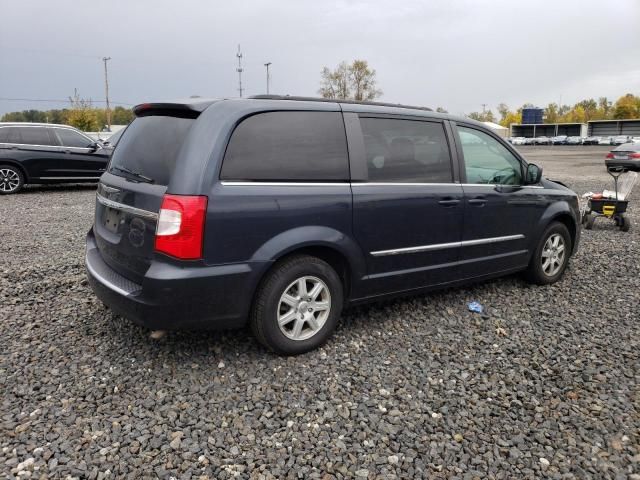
(41, 51)
(59, 101)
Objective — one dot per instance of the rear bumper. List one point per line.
(630, 164)
(176, 298)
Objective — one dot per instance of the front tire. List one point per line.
(11, 179)
(297, 306)
(551, 256)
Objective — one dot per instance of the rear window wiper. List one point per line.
(137, 175)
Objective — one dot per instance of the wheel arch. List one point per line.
(332, 256)
(567, 220)
(15, 163)
(330, 245)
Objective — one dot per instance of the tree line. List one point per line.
(89, 120)
(80, 114)
(627, 106)
(349, 81)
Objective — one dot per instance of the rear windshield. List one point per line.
(150, 147)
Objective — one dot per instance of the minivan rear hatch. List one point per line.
(130, 193)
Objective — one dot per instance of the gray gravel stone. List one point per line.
(412, 388)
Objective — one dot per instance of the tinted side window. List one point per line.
(69, 138)
(487, 161)
(406, 151)
(36, 136)
(298, 146)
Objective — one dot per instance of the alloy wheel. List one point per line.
(303, 308)
(553, 254)
(9, 180)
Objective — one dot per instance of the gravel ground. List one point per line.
(545, 386)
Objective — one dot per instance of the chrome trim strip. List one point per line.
(443, 246)
(402, 184)
(483, 241)
(68, 178)
(108, 189)
(232, 183)
(422, 248)
(126, 208)
(59, 147)
(103, 280)
(494, 185)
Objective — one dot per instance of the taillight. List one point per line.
(609, 155)
(635, 155)
(180, 229)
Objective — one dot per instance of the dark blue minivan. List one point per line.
(277, 212)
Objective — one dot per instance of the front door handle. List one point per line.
(478, 201)
(449, 202)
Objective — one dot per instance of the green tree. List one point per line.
(551, 113)
(13, 117)
(604, 108)
(83, 119)
(511, 117)
(121, 116)
(590, 108)
(82, 115)
(486, 116)
(349, 82)
(627, 106)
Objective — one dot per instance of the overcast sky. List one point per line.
(457, 54)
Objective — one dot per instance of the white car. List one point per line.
(620, 140)
(517, 141)
(604, 141)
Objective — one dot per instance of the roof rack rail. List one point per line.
(336, 100)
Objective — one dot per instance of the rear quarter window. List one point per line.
(70, 138)
(150, 147)
(288, 146)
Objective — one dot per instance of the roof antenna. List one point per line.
(239, 70)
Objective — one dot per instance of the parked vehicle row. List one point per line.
(277, 212)
(573, 140)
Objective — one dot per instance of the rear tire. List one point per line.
(297, 306)
(551, 256)
(11, 179)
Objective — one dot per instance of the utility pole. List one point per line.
(106, 91)
(239, 70)
(484, 106)
(267, 65)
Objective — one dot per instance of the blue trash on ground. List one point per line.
(475, 307)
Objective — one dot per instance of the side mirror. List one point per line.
(534, 174)
(94, 146)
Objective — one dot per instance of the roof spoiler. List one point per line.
(190, 108)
